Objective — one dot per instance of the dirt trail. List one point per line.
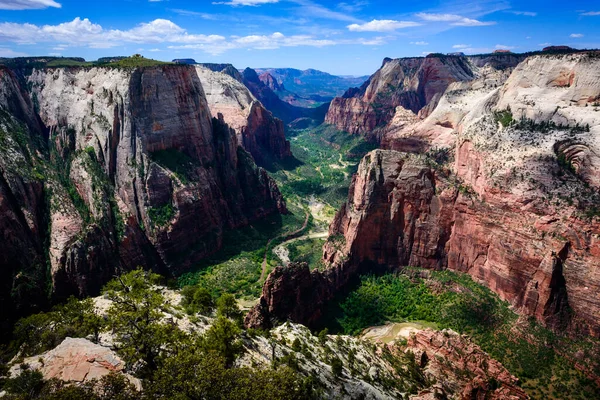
(287, 237)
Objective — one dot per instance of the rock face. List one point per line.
(415, 84)
(446, 354)
(135, 171)
(257, 130)
(270, 82)
(77, 361)
(282, 110)
(23, 222)
(508, 193)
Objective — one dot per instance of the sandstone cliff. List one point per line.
(257, 130)
(114, 168)
(507, 192)
(415, 84)
(282, 110)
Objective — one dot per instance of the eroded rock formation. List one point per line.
(415, 84)
(507, 192)
(257, 130)
(105, 169)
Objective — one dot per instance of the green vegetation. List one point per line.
(175, 161)
(504, 117)
(68, 62)
(454, 301)
(172, 364)
(530, 125)
(41, 332)
(161, 216)
(327, 159)
(237, 267)
(137, 61)
(30, 385)
(197, 300)
(309, 251)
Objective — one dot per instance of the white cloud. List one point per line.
(355, 6)
(524, 13)
(505, 47)
(439, 17)
(591, 13)
(421, 43)
(453, 19)
(461, 46)
(386, 25)
(472, 22)
(6, 52)
(237, 3)
(84, 33)
(576, 35)
(27, 4)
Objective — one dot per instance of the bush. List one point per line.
(197, 300)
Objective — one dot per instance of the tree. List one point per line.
(223, 339)
(323, 336)
(40, 332)
(336, 366)
(197, 300)
(135, 317)
(27, 385)
(227, 307)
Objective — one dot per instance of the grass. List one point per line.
(451, 300)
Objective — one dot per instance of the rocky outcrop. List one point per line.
(257, 130)
(134, 170)
(270, 82)
(77, 361)
(448, 354)
(415, 84)
(507, 192)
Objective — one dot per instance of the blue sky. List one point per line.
(345, 38)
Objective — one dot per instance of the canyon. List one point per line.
(105, 169)
(489, 166)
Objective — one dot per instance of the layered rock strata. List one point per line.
(507, 192)
(105, 169)
(415, 84)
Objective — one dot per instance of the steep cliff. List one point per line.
(261, 134)
(282, 110)
(22, 204)
(507, 192)
(414, 84)
(134, 171)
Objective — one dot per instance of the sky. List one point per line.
(344, 38)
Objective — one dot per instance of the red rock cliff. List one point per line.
(135, 172)
(415, 84)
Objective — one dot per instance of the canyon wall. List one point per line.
(506, 190)
(414, 84)
(105, 169)
(257, 130)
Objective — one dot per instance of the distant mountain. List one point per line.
(312, 82)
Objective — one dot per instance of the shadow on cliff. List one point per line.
(287, 164)
(332, 311)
